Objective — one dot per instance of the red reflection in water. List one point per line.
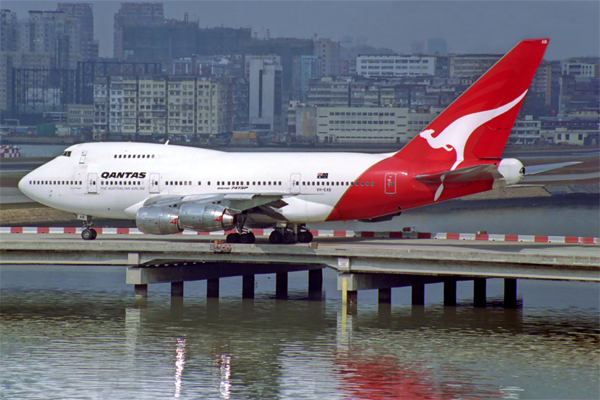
(384, 378)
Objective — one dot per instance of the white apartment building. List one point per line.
(578, 68)
(159, 105)
(152, 105)
(360, 124)
(394, 65)
(526, 131)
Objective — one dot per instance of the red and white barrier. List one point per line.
(9, 151)
(334, 233)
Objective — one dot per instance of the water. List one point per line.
(76, 332)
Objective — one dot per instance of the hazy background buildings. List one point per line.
(330, 72)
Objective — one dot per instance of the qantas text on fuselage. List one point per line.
(167, 189)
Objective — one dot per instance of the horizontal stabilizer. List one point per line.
(537, 169)
(462, 175)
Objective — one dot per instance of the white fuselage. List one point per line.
(112, 180)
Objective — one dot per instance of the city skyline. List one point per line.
(468, 27)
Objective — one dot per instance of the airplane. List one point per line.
(167, 189)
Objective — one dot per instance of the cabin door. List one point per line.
(92, 183)
(295, 183)
(390, 183)
(154, 179)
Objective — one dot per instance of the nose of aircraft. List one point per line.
(25, 186)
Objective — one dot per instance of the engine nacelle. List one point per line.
(205, 217)
(158, 220)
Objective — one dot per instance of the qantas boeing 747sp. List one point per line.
(167, 189)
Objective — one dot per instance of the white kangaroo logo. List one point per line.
(456, 135)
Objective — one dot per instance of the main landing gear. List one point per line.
(290, 235)
(88, 233)
(242, 235)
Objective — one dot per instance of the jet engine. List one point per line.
(205, 217)
(198, 217)
(158, 220)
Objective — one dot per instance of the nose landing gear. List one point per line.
(88, 233)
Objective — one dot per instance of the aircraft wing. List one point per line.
(236, 203)
(462, 175)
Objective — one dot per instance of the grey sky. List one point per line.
(468, 26)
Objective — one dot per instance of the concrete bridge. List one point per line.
(361, 263)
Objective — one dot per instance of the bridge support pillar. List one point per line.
(141, 291)
(315, 284)
(479, 292)
(510, 293)
(315, 279)
(418, 294)
(176, 289)
(352, 297)
(212, 287)
(281, 285)
(450, 292)
(385, 296)
(248, 286)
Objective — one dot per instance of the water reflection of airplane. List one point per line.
(385, 377)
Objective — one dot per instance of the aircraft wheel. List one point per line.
(305, 237)
(275, 238)
(233, 238)
(248, 238)
(88, 234)
(289, 238)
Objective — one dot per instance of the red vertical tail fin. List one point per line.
(477, 124)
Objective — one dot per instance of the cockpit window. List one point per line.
(66, 154)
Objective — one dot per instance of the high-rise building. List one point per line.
(265, 96)
(135, 14)
(309, 69)
(328, 53)
(8, 30)
(84, 13)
